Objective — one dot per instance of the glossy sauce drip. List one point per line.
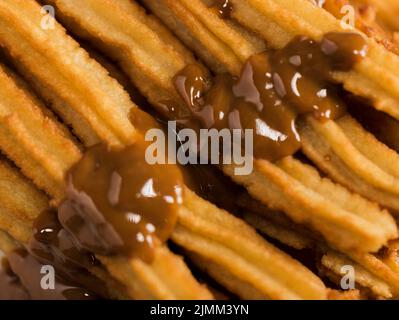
(53, 245)
(119, 204)
(224, 7)
(10, 285)
(274, 88)
(28, 269)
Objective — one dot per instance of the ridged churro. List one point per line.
(350, 222)
(42, 150)
(143, 280)
(307, 92)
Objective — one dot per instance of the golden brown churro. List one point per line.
(21, 203)
(55, 153)
(315, 207)
(351, 157)
(151, 279)
(56, 163)
(289, 71)
(367, 18)
(196, 25)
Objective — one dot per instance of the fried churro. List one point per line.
(54, 152)
(375, 274)
(196, 35)
(336, 232)
(293, 75)
(21, 203)
(146, 280)
(364, 17)
(353, 159)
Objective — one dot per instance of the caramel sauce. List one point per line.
(119, 204)
(116, 203)
(224, 7)
(274, 88)
(29, 269)
(53, 245)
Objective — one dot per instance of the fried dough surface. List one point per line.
(146, 281)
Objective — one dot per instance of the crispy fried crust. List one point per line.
(7, 243)
(376, 276)
(24, 136)
(353, 157)
(369, 18)
(344, 295)
(334, 222)
(153, 277)
(235, 247)
(130, 30)
(375, 78)
(21, 202)
(334, 262)
(56, 152)
(387, 11)
(75, 70)
(191, 20)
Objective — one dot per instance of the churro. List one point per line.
(144, 280)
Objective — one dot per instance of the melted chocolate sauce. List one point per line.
(53, 245)
(116, 202)
(274, 88)
(29, 272)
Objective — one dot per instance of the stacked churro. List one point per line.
(101, 113)
(86, 201)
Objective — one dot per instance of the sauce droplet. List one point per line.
(224, 7)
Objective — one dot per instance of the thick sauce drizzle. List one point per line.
(29, 269)
(53, 245)
(274, 88)
(50, 245)
(118, 203)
